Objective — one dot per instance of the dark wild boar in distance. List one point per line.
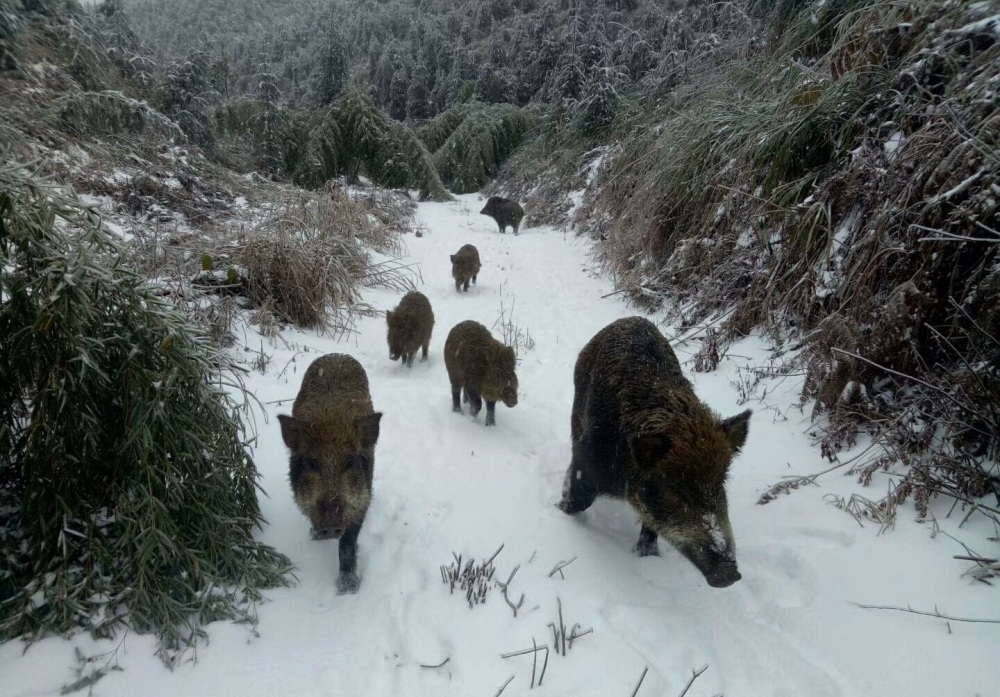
(505, 212)
(331, 435)
(481, 368)
(465, 266)
(641, 434)
(409, 327)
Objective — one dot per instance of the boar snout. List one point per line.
(330, 525)
(325, 533)
(723, 575)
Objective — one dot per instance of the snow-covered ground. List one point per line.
(445, 483)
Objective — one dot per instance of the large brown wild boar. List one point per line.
(331, 435)
(505, 212)
(409, 327)
(639, 433)
(465, 266)
(481, 368)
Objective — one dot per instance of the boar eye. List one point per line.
(357, 462)
(310, 464)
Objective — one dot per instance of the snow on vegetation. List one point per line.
(554, 603)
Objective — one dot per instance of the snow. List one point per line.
(892, 145)
(445, 483)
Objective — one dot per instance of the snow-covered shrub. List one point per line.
(128, 497)
(848, 170)
(110, 113)
(356, 136)
(477, 146)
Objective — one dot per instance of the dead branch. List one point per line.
(422, 665)
(639, 684)
(694, 676)
(563, 640)
(534, 650)
(939, 615)
(503, 687)
(503, 588)
(560, 566)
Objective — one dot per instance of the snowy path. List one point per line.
(446, 483)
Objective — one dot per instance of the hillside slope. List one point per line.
(444, 483)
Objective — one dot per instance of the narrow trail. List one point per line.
(445, 483)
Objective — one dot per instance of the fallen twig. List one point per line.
(564, 641)
(503, 588)
(639, 684)
(535, 648)
(503, 687)
(927, 613)
(694, 676)
(560, 566)
(423, 665)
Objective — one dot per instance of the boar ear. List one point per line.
(736, 428)
(509, 351)
(291, 431)
(649, 447)
(452, 258)
(368, 428)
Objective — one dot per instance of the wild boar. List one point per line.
(639, 433)
(409, 327)
(331, 435)
(465, 266)
(481, 368)
(505, 212)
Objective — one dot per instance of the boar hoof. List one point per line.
(348, 583)
(647, 549)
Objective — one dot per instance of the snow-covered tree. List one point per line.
(268, 118)
(595, 109)
(493, 86)
(418, 103)
(398, 93)
(331, 71)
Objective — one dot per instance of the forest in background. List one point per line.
(825, 173)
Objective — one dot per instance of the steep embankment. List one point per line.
(445, 483)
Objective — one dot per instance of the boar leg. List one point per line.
(491, 417)
(455, 405)
(409, 359)
(458, 286)
(466, 287)
(578, 491)
(475, 401)
(646, 547)
(424, 348)
(474, 278)
(348, 580)
(503, 228)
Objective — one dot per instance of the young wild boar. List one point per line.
(465, 266)
(410, 326)
(481, 367)
(639, 433)
(331, 435)
(505, 212)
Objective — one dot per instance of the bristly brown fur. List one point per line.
(505, 212)
(409, 327)
(640, 433)
(465, 266)
(480, 366)
(331, 435)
